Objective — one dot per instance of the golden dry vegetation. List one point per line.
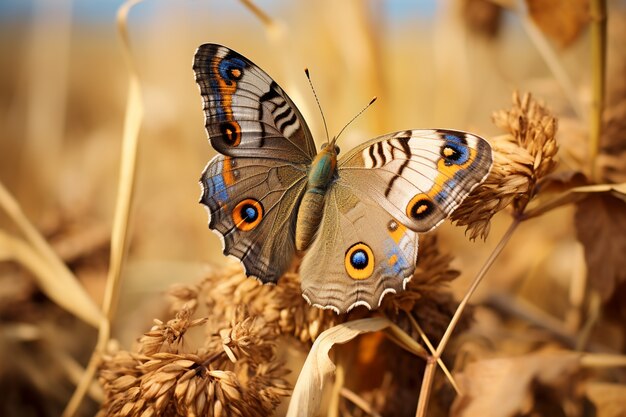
(115, 299)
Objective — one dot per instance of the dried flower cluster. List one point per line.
(281, 307)
(522, 157)
(236, 373)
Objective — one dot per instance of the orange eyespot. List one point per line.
(448, 152)
(235, 73)
(420, 207)
(231, 132)
(248, 214)
(359, 261)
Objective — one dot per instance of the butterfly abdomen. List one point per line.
(311, 208)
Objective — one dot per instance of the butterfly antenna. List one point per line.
(308, 76)
(354, 118)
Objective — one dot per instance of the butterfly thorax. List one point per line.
(321, 174)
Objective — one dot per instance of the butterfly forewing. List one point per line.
(418, 176)
(247, 113)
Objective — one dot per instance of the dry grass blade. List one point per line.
(358, 401)
(552, 61)
(432, 351)
(598, 59)
(67, 293)
(602, 360)
(576, 194)
(56, 280)
(274, 29)
(318, 366)
(132, 123)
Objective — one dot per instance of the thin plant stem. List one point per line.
(598, 62)
(477, 280)
(405, 341)
(431, 349)
(359, 402)
(265, 18)
(119, 235)
(602, 360)
(429, 372)
(275, 30)
(427, 383)
(593, 316)
(551, 59)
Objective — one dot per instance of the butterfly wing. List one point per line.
(253, 188)
(251, 204)
(418, 176)
(387, 190)
(247, 113)
(360, 254)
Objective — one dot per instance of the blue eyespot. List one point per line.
(455, 151)
(231, 68)
(359, 259)
(249, 213)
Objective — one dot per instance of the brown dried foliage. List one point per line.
(612, 159)
(552, 377)
(561, 20)
(483, 17)
(603, 214)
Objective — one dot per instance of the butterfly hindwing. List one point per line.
(247, 113)
(251, 204)
(360, 254)
(418, 176)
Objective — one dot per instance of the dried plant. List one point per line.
(235, 373)
(522, 158)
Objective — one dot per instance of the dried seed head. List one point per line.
(235, 373)
(281, 307)
(520, 159)
(168, 335)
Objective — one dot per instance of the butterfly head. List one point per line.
(333, 149)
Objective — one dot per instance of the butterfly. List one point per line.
(269, 193)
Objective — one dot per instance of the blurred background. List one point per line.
(63, 86)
